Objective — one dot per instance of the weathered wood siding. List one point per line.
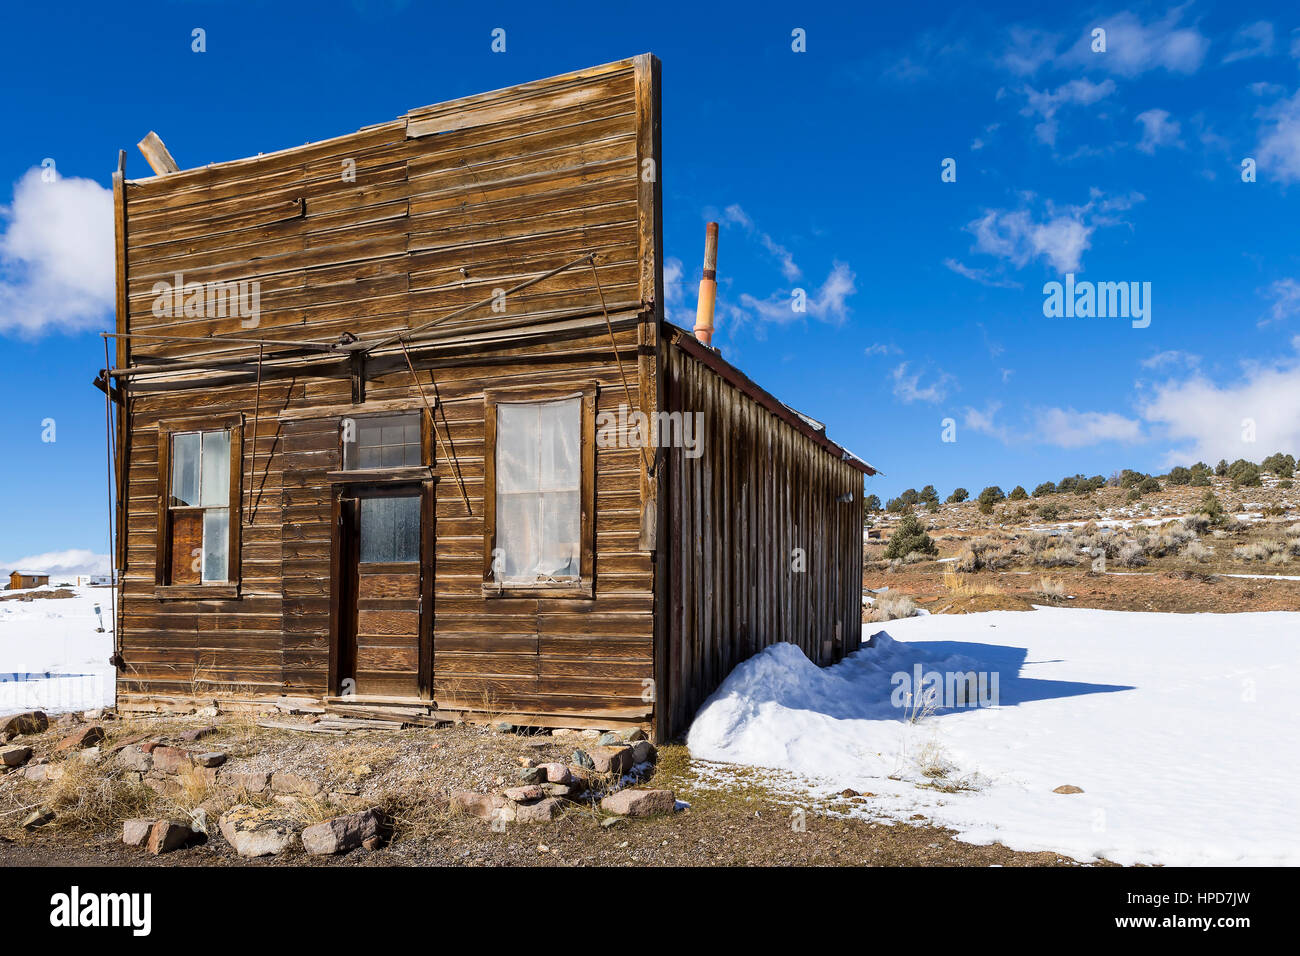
(449, 203)
(760, 490)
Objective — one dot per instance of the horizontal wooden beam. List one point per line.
(155, 152)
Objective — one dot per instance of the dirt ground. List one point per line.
(410, 772)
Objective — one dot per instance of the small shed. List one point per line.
(18, 580)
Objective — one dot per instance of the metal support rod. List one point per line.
(433, 424)
(627, 391)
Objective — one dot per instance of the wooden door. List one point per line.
(382, 603)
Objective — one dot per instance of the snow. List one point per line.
(1178, 728)
(55, 636)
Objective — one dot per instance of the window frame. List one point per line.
(422, 471)
(584, 585)
(230, 588)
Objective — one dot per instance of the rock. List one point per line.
(611, 759)
(213, 759)
(539, 812)
(15, 756)
(90, 756)
(167, 835)
(589, 734)
(257, 831)
(80, 739)
(849, 792)
(582, 759)
(170, 759)
(608, 740)
(556, 772)
(639, 803)
(630, 734)
(502, 727)
(484, 806)
(30, 722)
(43, 772)
(532, 775)
(134, 758)
(292, 783)
(250, 781)
(199, 821)
(209, 711)
(537, 743)
(611, 822)
(524, 794)
(567, 791)
(373, 843)
(166, 786)
(561, 732)
(136, 832)
(341, 834)
(38, 818)
(197, 734)
(643, 751)
(1067, 788)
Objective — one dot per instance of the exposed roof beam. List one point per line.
(156, 153)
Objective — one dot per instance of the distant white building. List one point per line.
(95, 580)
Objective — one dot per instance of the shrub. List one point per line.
(1018, 493)
(1212, 508)
(1049, 511)
(1198, 552)
(910, 536)
(1221, 468)
(1286, 484)
(1200, 479)
(958, 496)
(992, 495)
(1050, 589)
(889, 607)
(1046, 488)
(1147, 485)
(1246, 476)
(871, 503)
(1133, 495)
(1279, 464)
(1131, 554)
(1178, 475)
(929, 495)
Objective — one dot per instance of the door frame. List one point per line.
(343, 567)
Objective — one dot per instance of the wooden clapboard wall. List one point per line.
(377, 232)
(765, 484)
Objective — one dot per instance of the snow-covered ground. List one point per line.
(1179, 728)
(55, 637)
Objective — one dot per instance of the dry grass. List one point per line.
(959, 587)
(1050, 589)
(889, 607)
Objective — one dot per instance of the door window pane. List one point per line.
(390, 529)
(185, 469)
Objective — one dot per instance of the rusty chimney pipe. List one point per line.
(708, 286)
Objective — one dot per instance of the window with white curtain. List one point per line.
(538, 467)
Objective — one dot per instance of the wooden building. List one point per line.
(377, 437)
(19, 580)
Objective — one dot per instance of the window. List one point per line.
(198, 520)
(382, 441)
(390, 529)
(540, 485)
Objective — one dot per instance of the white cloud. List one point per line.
(1254, 39)
(1047, 103)
(1134, 47)
(674, 288)
(1207, 419)
(880, 348)
(1285, 294)
(908, 388)
(982, 421)
(1278, 154)
(1028, 50)
(61, 565)
(1171, 358)
(789, 268)
(56, 255)
(1059, 237)
(828, 304)
(1158, 130)
(1068, 428)
(982, 276)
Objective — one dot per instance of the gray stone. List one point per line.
(293, 783)
(643, 751)
(30, 722)
(167, 835)
(609, 740)
(611, 759)
(639, 803)
(532, 775)
(251, 781)
(341, 834)
(214, 759)
(14, 756)
(630, 734)
(257, 831)
(485, 806)
(136, 832)
(582, 759)
(43, 772)
(541, 811)
(80, 739)
(556, 772)
(38, 818)
(133, 758)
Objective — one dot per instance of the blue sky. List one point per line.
(924, 297)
